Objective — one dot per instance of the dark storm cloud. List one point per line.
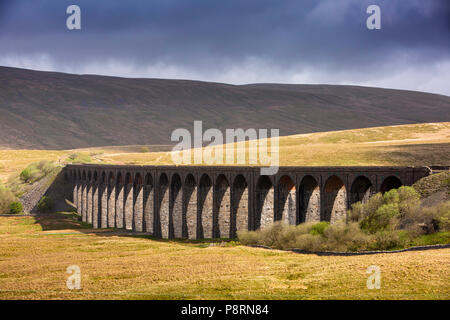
(212, 35)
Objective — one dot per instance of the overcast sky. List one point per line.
(236, 41)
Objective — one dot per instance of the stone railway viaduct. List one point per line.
(215, 202)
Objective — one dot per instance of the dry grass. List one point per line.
(13, 162)
(416, 145)
(34, 256)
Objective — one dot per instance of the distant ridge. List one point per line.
(50, 110)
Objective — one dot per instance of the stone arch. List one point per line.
(119, 214)
(286, 204)
(138, 203)
(149, 205)
(309, 200)
(103, 202)
(205, 207)
(89, 198)
(222, 207)
(176, 208)
(334, 199)
(190, 207)
(264, 202)
(163, 205)
(361, 190)
(96, 204)
(111, 200)
(391, 182)
(240, 206)
(128, 201)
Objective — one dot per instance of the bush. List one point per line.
(145, 149)
(319, 228)
(443, 216)
(387, 240)
(309, 236)
(345, 237)
(45, 204)
(15, 207)
(6, 199)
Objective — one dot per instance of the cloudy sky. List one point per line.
(236, 41)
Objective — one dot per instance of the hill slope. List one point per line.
(47, 110)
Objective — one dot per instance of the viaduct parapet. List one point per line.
(215, 202)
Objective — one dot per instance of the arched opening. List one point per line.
(128, 202)
(390, 183)
(222, 208)
(176, 208)
(96, 210)
(119, 217)
(163, 217)
(361, 190)
(239, 217)
(309, 200)
(264, 203)
(205, 207)
(149, 204)
(103, 198)
(286, 210)
(138, 201)
(190, 208)
(89, 195)
(335, 200)
(111, 200)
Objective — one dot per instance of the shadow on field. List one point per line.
(65, 221)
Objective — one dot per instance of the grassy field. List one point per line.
(35, 252)
(416, 145)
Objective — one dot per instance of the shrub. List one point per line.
(356, 213)
(380, 219)
(145, 149)
(345, 237)
(319, 228)
(29, 174)
(6, 198)
(15, 207)
(45, 204)
(37, 171)
(443, 216)
(309, 242)
(387, 240)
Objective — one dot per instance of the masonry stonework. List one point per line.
(206, 202)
